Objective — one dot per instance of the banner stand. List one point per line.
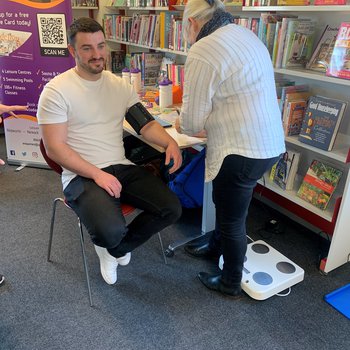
(33, 51)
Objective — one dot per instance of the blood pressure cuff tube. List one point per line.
(138, 116)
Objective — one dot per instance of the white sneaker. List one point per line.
(124, 260)
(108, 265)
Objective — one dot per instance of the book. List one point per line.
(319, 184)
(293, 118)
(165, 21)
(339, 65)
(298, 48)
(150, 67)
(321, 56)
(321, 122)
(292, 25)
(286, 169)
(266, 29)
(293, 2)
(329, 2)
(289, 89)
(116, 61)
(282, 39)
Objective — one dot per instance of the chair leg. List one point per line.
(84, 260)
(56, 200)
(81, 236)
(161, 246)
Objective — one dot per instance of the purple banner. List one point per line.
(33, 50)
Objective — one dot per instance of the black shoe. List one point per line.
(202, 251)
(213, 282)
(2, 279)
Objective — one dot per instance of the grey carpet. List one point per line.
(153, 306)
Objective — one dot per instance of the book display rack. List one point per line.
(333, 221)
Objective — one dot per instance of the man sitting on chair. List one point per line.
(81, 113)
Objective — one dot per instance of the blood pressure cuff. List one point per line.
(138, 116)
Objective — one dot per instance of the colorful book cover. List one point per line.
(273, 171)
(289, 89)
(321, 122)
(319, 184)
(322, 54)
(267, 20)
(292, 26)
(165, 20)
(150, 68)
(339, 65)
(282, 39)
(294, 117)
(299, 48)
(286, 169)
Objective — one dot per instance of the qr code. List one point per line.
(52, 30)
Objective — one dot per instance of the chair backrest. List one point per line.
(52, 164)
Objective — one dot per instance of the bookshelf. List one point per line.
(335, 221)
(124, 11)
(311, 8)
(81, 7)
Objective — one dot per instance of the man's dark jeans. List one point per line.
(102, 216)
(232, 192)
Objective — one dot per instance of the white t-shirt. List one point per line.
(230, 92)
(94, 111)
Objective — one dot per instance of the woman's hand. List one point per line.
(200, 134)
(11, 109)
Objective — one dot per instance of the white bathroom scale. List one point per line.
(267, 272)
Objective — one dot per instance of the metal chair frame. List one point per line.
(127, 210)
(82, 245)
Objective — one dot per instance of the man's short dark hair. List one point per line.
(83, 25)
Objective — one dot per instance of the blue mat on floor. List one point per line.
(340, 300)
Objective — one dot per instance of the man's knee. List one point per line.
(109, 235)
(173, 210)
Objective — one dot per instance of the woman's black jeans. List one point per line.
(232, 192)
(102, 216)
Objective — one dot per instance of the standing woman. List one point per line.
(230, 95)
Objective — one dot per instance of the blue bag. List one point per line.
(188, 184)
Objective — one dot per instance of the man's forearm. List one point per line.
(63, 155)
(155, 133)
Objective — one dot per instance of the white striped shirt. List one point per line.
(230, 92)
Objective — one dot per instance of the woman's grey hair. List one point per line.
(201, 10)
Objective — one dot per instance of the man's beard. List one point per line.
(94, 70)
